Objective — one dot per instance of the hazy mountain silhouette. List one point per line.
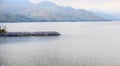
(14, 6)
(43, 12)
(15, 2)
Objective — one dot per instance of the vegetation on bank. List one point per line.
(2, 29)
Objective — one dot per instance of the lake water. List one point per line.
(81, 44)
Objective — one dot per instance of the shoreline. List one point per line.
(22, 34)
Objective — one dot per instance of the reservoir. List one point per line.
(80, 44)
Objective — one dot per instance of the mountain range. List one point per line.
(25, 11)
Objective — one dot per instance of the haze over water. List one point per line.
(81, 44)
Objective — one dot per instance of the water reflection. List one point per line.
(8, 40)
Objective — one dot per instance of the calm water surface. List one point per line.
(81, 44)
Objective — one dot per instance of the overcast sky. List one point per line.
(98, 5)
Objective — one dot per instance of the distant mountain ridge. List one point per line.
(14, 6)
(44, 12)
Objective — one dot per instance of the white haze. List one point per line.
(98, 5)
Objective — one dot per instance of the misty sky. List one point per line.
(98, 5)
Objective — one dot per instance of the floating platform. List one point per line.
(22, 34)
